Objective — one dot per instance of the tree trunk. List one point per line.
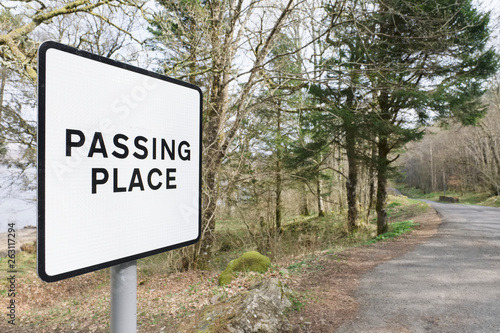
(352, 182)
(2, 89)
(278, 172)
(304, 208)
(212, 161)
(383, 163)
(433, 176)
(278, 196)
(321, 210)
(213, 140)
(371, 180)
(203, 249)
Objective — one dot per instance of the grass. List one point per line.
(302, 235)
(297, 301)
(306, 264)
(481, 198)
(492, 202)
(25, 263)
(299, 235)
(297, 265)
(401, 208)
(396, 229)
(400, 211)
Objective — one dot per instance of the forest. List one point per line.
(458, 158)
(311, 107)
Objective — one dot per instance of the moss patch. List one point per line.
(251, 261)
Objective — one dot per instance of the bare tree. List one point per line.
(20, 19)
(223, 46)
(460, 158)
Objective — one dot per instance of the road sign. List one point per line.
(119, 162)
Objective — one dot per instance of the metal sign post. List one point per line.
(124, 298)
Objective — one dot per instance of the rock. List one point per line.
(262, 310)
(23, 236)
(214, 299)
(29, 248)
(258, 310)
(448, 199)
(251, 261)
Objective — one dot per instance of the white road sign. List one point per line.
(119, 162)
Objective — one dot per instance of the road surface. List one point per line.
(449, 284)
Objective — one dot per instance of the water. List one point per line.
(17, 205)
(16, 210)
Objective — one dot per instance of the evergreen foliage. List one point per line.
(395, 66)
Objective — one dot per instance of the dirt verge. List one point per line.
(326, 291)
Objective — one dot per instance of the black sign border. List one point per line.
(42, 52)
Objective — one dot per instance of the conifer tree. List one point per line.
(407, 62)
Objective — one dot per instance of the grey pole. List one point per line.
(124, 298)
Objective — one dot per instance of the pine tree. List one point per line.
(408, 62)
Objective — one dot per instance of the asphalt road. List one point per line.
(451, 283)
